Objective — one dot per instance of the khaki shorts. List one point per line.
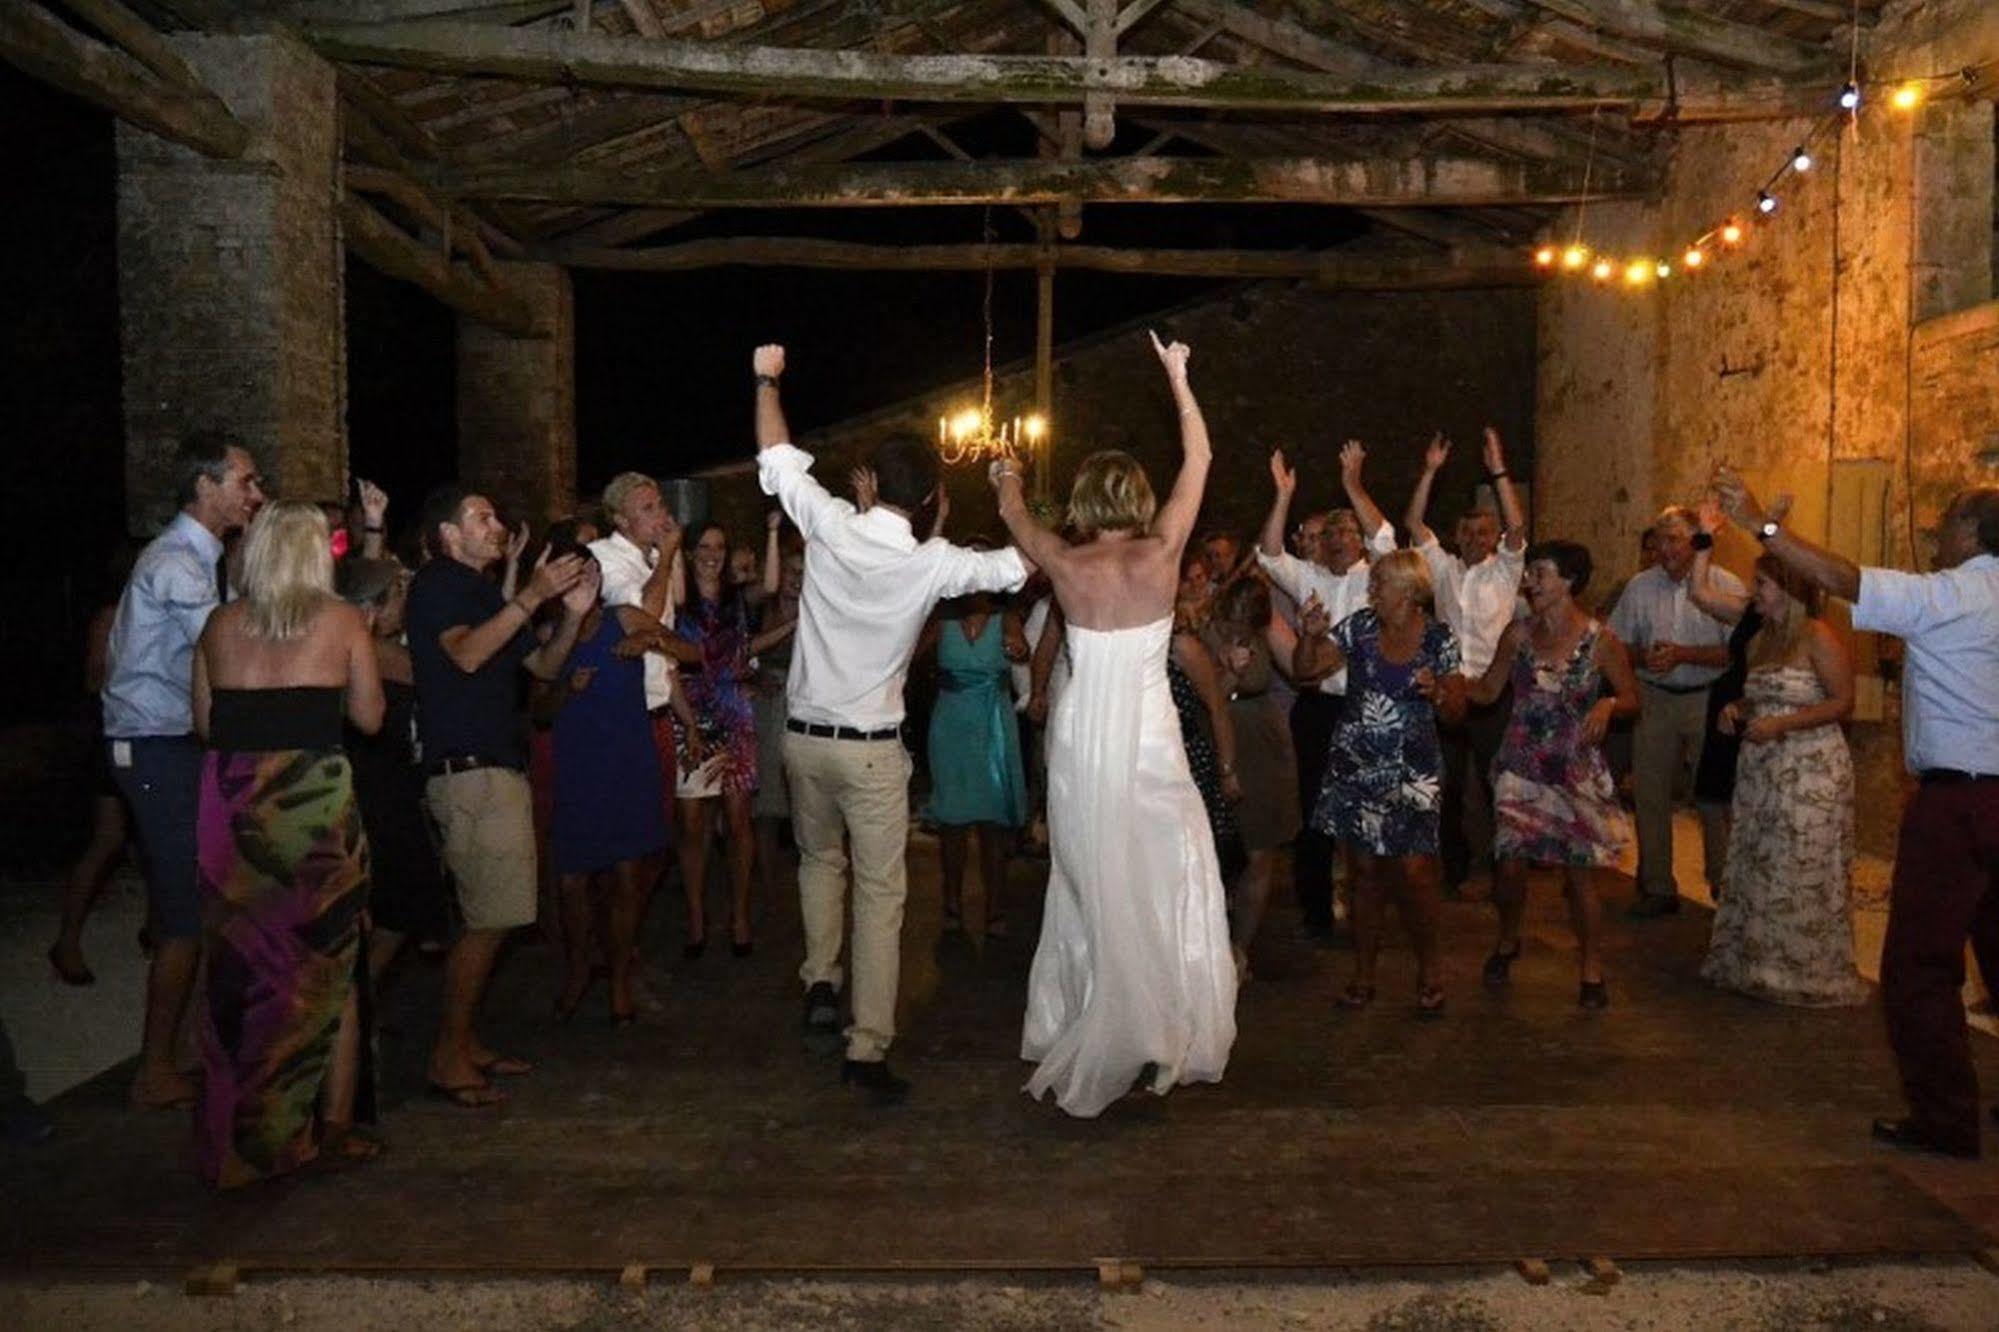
(487, 819)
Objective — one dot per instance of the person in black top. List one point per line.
(467, 639)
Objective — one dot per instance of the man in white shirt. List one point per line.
(1476, 593)
(1331, 564)
(869, 587)
(1679, 650)
(1946, 882)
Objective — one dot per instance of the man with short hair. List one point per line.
(1679, 650)
(467, 640)
(1222, 553)
(149, 725)
(1331, 565)
(1476, 592)
(869, 587)
(1946, 881)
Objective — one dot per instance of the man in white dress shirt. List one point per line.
(869, 587)
(1679, 650)
(1946, 882)
(1331, 564)
(1476, 591)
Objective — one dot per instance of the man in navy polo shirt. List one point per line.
(467, 642)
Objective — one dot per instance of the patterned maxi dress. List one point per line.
(1384, 776)
(283, 868)
(1783, 929)
(720, 697)
(1554, 801)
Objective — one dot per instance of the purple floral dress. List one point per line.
(1553, 799)
(720, 694)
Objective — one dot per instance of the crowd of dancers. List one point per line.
(324, 756)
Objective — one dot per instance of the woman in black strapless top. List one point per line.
(283, 863)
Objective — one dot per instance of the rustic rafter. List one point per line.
(1687, 30)
(395, 252)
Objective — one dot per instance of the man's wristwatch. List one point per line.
(766, 381)
(1703, 541)
(1767, 530)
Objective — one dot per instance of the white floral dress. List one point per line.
(1783, 929)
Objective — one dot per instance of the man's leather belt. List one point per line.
(825, 732)
(444, 767)
(1953, 777)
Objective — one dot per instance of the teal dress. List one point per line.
(975, 770)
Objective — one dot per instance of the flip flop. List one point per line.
(505, 1066)
(468, 1095)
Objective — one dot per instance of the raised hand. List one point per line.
(1736, 498)
(1494, 453)
(1173, 356)
(554, 578)
(374, 502)
(1353, 457)
(581, 595)
(1284, 476)
(517, 543)
(1709, 515)
(768, 360)
(863, 481)
(1437, 453)
(773, 520)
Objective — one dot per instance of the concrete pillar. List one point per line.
(517, 401)
(230, 279)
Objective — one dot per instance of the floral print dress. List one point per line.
(1554, 801)
(719, 693)
(1783, 929)
(1384, 775)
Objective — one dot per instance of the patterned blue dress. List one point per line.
(1384, 777)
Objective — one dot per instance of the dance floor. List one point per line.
(1681, 1123)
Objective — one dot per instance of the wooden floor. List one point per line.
(1681, 1123)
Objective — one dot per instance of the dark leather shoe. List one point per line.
(873, 1077)
(1910, 1136)
(822, 1019)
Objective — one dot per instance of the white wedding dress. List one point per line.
(1133, 967)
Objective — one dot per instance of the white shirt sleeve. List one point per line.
(964, 571)
(1512, 559)
(1288, 572)
(1445, 568)
(1905, 604)
(1382, 540)
(785, 470)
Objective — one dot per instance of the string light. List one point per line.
(1766, 202)
(1849, 97)
(1907, 97)
(1604, 268)
(1545, 256)
(1800, 159)
(1638, 272)
(1574, 257)
(1731, 232)
(1693, 258)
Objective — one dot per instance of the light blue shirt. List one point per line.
(1950, 677)
(1655, 609)
(149, 674)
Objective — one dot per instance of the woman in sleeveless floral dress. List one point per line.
(1554, 801)
(1783, 930)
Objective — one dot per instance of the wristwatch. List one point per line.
(1767, 530)
(1703, 541)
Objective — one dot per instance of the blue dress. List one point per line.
(607, 784)
(975, 769)
(1384, 777)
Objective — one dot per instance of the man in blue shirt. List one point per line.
(149, 725)
(468, 643)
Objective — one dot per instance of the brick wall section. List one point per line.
(517, 400)
(1274, 366)
(229, 279)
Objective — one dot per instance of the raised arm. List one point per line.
(767, 363)
(1284, 480)
(1434, 457)
(1353, 459)
(1702, 588)
(374, 518)
(1175, 522)
(546, 661)
(784, 470)
(1514, 518)
(1045, 548)
(1835, 573)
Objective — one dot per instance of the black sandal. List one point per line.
(1357, 996)
(1499, 965)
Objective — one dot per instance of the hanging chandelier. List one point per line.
(974, 434)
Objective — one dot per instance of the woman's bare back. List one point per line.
(238, 659)
(1116, 581)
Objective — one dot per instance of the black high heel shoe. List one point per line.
(1499, 965)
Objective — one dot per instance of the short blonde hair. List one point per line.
(287, 568)
(1111, 494)
(1406, 570)
(620, 488)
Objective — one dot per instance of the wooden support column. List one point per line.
(230, 278)
(1099, 48)
(517, 400)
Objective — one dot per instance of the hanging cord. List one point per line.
(1589, 163)
(986, 407)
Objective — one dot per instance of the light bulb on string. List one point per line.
(1907, 97)
(1663, 269)
(1849, 97)
(1638, 272)
(1574, 257)
(1766, 202)
(1731, 232)
(1545, 256)
(1693, 258)
(1800, 159)
(1603, 269)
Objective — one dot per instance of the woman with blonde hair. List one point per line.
(1132, 977)
(283, 862)
(1783, 929)
(1384, 779)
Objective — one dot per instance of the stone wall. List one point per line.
(517, 400)
(1274, 366)
(229, 277)
(1805, 356)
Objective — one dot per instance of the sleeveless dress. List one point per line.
(1133, 965)
(1197, 734)
(608, 805)
(1783, 929)
(1553, 799)
(976, 775)
(1268, 816)
(1385, 773)
(720, 698)
(283, 871)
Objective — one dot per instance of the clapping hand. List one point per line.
(517, 543)
(1173, 356)
(553, 578)
(1313, 619)
(1283, 475)
(582, 594)
(1494, 452)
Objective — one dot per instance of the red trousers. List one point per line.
(1946, 890)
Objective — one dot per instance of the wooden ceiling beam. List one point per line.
(547, 55)
(1442, 182)
(392, 250)
(1482, 266)
(1688, 31)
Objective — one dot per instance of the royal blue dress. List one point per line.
(975, 769)
(607, 784)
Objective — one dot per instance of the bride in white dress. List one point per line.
(1133, 968)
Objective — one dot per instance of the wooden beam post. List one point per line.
(35, 42)
(1099, 48)
(1442, 182)
(386, 246)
